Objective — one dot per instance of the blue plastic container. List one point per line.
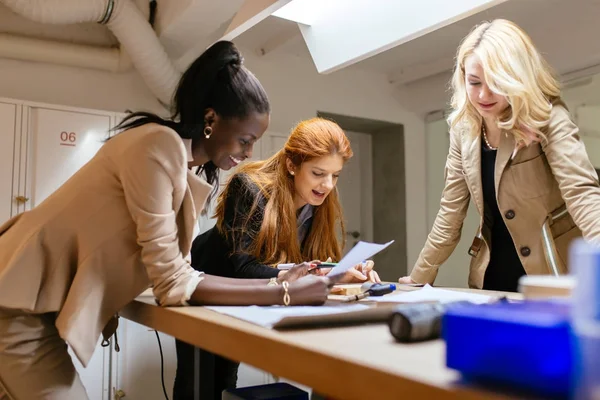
(584, 260)
(524, 345)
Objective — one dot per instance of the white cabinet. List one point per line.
(59, 143)
(96, 377)
(138, 368)
(41, 146)
(8, 129)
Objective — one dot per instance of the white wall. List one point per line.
(584, 103)
(588, 120)
(295, 88)
(75, 87)
(588, 93)
(425, 95)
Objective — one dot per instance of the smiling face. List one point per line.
(486, 102)
(232, 140)
(315, 179)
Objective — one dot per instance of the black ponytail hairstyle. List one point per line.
(217, 80)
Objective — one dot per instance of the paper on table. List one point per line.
(271, 315)
(431, 294)
(362, 251)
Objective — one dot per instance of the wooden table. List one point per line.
(358, 362)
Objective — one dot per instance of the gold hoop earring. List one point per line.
(207, 132)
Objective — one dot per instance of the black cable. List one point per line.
(152, 16)
(162, 366)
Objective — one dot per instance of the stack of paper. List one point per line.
(430, 294)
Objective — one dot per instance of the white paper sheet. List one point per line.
(431, 294)
(271, 315)
(359, 253)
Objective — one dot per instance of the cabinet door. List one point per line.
(138, 370)
(96, 377)
(8, 129)
(59, 143)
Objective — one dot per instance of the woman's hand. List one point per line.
(360, 273)
(310, 290)
(296, 272)
(406, 280)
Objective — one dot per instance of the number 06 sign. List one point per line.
(68, 138)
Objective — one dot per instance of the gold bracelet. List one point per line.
(273, 282)
(286, 294)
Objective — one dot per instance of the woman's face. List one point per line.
(486, 102)
(315, 179)
(232, 140)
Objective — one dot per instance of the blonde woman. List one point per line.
(515, 151)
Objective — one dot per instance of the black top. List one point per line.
(505, 268)
(215, 254)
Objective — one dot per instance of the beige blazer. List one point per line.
(123, 222)
(530, 185)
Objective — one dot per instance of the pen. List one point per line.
(316, 266)
(326, 264)
(332, 264)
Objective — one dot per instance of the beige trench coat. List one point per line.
(123, 222)
(531, 184)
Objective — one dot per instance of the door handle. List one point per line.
(21, 199)
(354, 234)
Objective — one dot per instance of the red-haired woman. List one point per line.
(284, 209)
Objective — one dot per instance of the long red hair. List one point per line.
(277, 240)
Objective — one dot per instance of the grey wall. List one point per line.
(389, 190)
(389, 205)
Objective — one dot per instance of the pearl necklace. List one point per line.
(486, 139)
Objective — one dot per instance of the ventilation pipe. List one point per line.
(110, 59)
(127, 23)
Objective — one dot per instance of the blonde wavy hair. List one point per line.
(513, 68)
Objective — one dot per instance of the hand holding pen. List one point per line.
(294, 271)
(362, 272)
